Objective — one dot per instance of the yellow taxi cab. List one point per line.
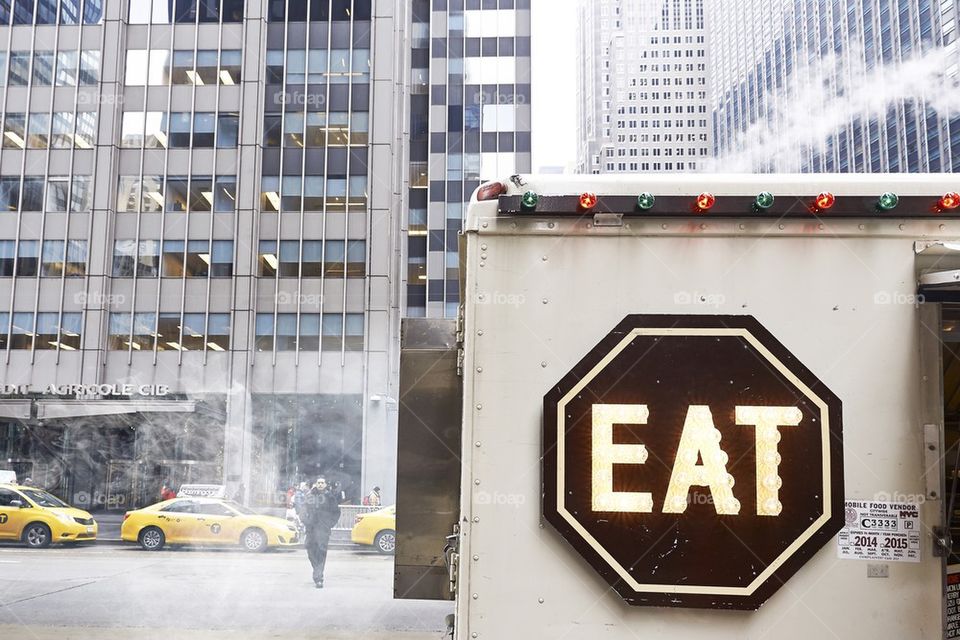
(40, 519)
(205, 521)
(377, 528)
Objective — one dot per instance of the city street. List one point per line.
(122, 592)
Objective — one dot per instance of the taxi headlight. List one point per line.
(64, 518)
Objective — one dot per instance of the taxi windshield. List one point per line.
(43, 499)
(240, 508)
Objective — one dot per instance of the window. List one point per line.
(230, 65)
(38, 131)
(228, 130)
(177, 193)
(52, 258)
(89, 67)
(7, 260)
(225, 194)
(208, 63)
(264, 332)
(192, 335)
(19, 70)
(312, 262)
(131, 129)
(76, 264)
(268, 262)
(180, 130)
(135, 333)
(218, 332)
(28, 258)
(14, 131)
(9, 193)
(43, 68)
(221, 259)
(144, 195)
(341, 331)
(31, 194)
(182, 68)
(22, 331)
(201, 193)
(204, 130)
(62, 136)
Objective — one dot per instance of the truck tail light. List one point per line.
(705, 201)
(949, 201)
(588, 200)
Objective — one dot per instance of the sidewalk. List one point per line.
(30, 632)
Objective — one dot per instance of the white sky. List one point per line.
(554, 82)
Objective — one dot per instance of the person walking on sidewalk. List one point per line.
(319, 512)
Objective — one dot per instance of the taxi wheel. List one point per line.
(386, 542)
(37, 535)
(253, 540)
(152, 539)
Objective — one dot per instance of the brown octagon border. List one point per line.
(666, 597)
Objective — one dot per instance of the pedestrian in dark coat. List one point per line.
(319, 512)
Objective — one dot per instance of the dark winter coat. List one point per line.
(319, 510)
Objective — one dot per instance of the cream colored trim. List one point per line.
(695, 589)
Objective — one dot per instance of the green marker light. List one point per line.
(646, 201)
(529, 201)
(888, 201)
(763, 200)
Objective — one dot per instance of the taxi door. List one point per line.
(179, 521)
(218, 524)
(11, 516)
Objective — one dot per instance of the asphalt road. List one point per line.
(109, 592)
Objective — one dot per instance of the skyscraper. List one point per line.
(834, 86)
(642, 86)
(200, 244)
(469, 122)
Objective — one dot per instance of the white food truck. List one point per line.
(721, 406)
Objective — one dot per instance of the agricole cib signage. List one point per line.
(693, 461)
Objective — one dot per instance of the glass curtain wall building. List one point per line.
(774, 60)
(642, 86)
(198, 253)
(469, 122)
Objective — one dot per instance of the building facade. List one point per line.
(469, 122)
(874, 67)
(200, 253)
(642, 79)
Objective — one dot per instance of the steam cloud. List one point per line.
(820, 98)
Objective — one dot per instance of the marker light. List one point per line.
(763, 200)
(705, 201)
(529, 200)
(588, 200)
(491, 191)
(646, 201)
(888, 201)
(824, 201)
(949, 201)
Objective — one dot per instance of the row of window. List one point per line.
(176, 194)
(319, 11)
(316, 129)
(169, 331)
(186, 332)
(180, 130)
(160, 67)
(185, 11)
(326, 332)
(53, 194)
(318, 66)
(179, 258)
(51, 11)
(312, 258)
(59, 130)
(313, 193)
(202, 258)
(50, 68)
(48, 258)
(40, 330)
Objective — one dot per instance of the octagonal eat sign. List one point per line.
(693, 461)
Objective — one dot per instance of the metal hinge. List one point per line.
(460, 330)
(451, 557)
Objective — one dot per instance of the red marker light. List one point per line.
(491, 191)
(588, 200)
(824, 201)
(705, 201)
(949, 201)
